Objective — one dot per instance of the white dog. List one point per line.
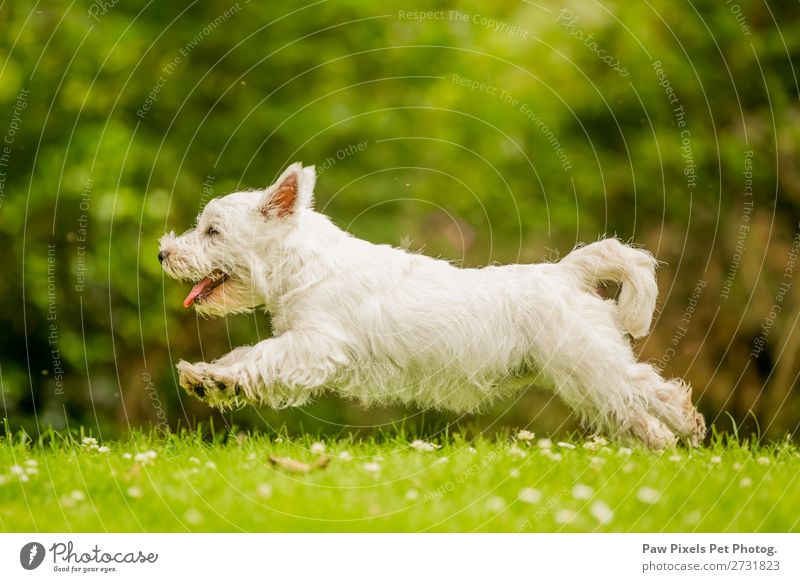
(383, 325)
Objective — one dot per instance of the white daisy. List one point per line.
(581, 491)
(601, 512)
(495, 504)
(525, 435)
(530, 495)
(565, 516)
(648, 495)
(423, 446)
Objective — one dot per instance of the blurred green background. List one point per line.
(482, 132)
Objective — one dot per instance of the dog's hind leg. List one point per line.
(671, 401)
(591, 369)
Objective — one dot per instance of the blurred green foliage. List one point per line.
(482, 143)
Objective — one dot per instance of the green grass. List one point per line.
(191, 484)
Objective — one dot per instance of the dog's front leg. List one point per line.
(282, 371)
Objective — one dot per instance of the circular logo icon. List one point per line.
(31, 555)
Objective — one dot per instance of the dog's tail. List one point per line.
(634, 269)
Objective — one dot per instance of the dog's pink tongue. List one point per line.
(196, 290)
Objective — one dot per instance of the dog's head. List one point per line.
(237, 243)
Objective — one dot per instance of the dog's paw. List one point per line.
(215, 386)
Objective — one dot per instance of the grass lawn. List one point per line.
(186, 483)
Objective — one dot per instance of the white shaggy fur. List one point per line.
(383, 325)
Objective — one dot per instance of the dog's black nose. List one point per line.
(162, 255)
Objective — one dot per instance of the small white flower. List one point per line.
(676, 458)
(716, 459)
(16, 469)
(345, 455)
(134, 492)
(693, 517)
(32, 463)
(32, 470)
(746, 482)
(193, 516)
(564, 445)
(194, 460)
(514, 473)
(530, 495)
(565, 516)
(525, 435)
(372, 467)
(544, 443)
(648, 495)
(423, 446)
(89, 441)
(412, 495)
(264, 490)
(515, 451)
(737, 466)
(278, 439)
(495, 504)
(601, 512)
(127, 456)
(472, 450)
(442, 461)
(597, 461)
(762, 461)
(318, 448)
(103, 449)
(211, 465)
(625, 451)
(581, 491)
(78, 495)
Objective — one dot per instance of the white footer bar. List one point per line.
(390, 557)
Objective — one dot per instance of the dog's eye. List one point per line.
(211, 231)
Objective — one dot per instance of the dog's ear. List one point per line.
(292, 191)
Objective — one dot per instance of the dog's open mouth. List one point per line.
(205, 288)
